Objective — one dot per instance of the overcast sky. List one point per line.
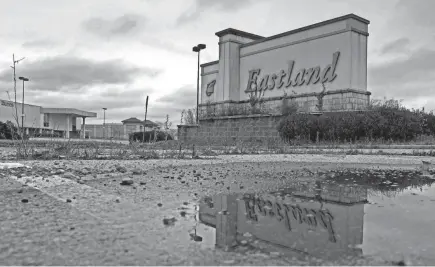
(89, 54)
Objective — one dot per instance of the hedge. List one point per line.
(387, 121)
(150, 136)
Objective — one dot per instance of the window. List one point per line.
(46, 121)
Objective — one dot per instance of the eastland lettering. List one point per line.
(302, 77)
(289, 213)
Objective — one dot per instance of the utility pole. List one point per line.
(104, 123)
(145, 122)
(15, 86)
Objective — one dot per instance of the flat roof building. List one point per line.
(40, 120)
(120, 130)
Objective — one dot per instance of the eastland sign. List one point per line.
(285, 78)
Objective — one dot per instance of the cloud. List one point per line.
(184, 97)
(418, 12)
(120, 26)
(412, 77)
(203, 5)
(40, 43)
(168, 46)
(396, 46)
(110, 98)
(63, 73)
(187, 17)
(129, 25)
(225, 5)
(173, 104)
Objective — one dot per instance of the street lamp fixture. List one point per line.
(24, 79)
(104, 123)
(197, 49)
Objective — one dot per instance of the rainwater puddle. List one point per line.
(332, 218)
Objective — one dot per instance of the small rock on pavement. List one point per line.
(121, 169)
(196, 238)
(136, 171)
(170, 221)
(127, 181)
(69, 175)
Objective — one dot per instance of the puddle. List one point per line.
(339, 216)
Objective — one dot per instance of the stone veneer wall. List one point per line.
(231, 121)
(339, 100)
(227, 130)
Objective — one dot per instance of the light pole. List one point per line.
(104, 123)
(24, 79)
(15, 81)
(198, 49)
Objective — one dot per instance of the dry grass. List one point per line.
(89, 150)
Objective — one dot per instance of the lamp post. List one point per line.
(104, 123)
(24, 79)
(198, 49)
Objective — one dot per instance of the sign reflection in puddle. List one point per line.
(320, 219)
(328, 219)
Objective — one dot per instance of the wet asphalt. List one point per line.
(80, 213)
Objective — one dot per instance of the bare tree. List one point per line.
(256, 97)
(188, 116)
(167, 125)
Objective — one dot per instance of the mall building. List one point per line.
(69, 122)
(42, 121)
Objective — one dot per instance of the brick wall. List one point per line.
(231, 121)
(339, 100)
(254, 128)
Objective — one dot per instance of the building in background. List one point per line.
(69, 122)
(40, 121)
(119, 130)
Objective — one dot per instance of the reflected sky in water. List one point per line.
(325, 219)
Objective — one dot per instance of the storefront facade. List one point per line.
(39, 121)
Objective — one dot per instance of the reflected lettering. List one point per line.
(311, 217)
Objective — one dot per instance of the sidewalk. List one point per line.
(80, 140)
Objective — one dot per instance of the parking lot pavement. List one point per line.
(79, 213)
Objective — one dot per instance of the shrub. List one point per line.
(382, 121)
(8, 131)
(47, 135)
(288, 106)
(149, 136)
